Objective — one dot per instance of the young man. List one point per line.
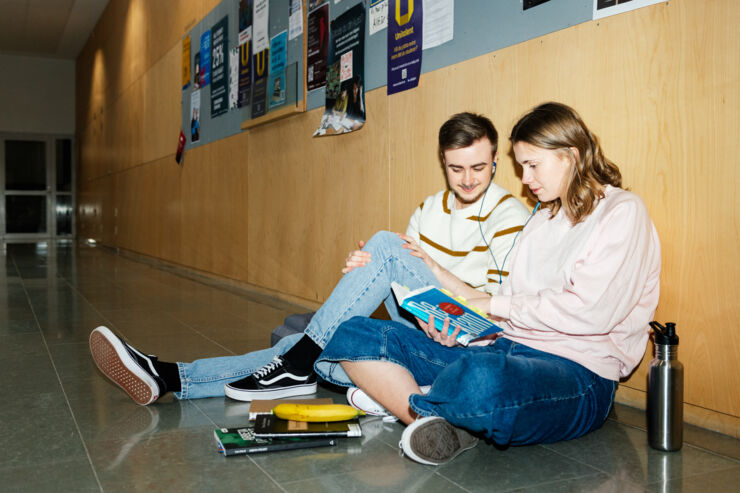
(460, 234)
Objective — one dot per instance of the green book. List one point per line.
(241, 441)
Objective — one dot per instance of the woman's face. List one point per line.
(544, 171)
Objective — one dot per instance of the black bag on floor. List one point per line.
(294, 324)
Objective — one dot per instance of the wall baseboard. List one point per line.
(267, 296)
(692, 414)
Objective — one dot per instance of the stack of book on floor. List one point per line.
(266, 432)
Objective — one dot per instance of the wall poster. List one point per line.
(186, 62)
(205, 58)
(605, 8)
(245, 52)
(260, 27)
(220, 68)
(259, 89)
(295, 21)
(317, 46)
(345, 95)
(405, 21)
(278, 56)
(234, 78)
(378, 12)
(439, 23)
(195, 116)
(197, 73)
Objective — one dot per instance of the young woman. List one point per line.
(583, 285)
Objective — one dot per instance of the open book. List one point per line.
(431, 300)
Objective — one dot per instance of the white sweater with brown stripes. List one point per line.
(453, 238)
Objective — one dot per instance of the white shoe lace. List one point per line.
(276, 363)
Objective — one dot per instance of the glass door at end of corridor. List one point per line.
(36, 187)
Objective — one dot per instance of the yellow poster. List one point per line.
(186, 62)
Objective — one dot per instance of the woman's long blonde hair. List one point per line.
(558, 127)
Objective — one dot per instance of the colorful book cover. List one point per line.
(440, 303)
(241, 441)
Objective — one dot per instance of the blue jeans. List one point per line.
(206, 377)
(359, 292)
(507, 392)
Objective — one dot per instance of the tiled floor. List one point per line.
(66, 428)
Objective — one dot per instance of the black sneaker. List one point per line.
(434, 441)
(130, 369)
(275, 380)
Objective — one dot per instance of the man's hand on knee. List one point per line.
(356, 258)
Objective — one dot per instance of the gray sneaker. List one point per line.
(434, 441)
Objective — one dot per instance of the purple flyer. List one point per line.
(259, 88)
(405, 19)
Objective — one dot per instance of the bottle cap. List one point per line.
(665, 336)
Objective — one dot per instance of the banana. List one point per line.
(316, 412)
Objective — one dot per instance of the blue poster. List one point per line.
(278, 55)
(205, 58)
(405, 19)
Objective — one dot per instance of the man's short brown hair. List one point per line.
(463, 130)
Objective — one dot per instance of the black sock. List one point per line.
(304, 354)
(170, 373)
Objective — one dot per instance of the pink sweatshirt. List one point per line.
(585, 292)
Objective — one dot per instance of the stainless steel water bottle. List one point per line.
(665, 391)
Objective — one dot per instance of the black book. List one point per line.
(270, 426)
(240, 441)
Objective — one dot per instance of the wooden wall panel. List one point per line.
(312, 199)
(90, 82)
(124, 129)
(214, 208)
(279, 209)
(84, 86)
(160, 118)
(125, 44)
(147, 209)
(161, 36)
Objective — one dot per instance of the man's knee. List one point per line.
(383, 240)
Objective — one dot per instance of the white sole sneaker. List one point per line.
(434, 441)
(114, 360)
(358, 398)
(275, 380)
(250, 395)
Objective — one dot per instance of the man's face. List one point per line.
(469, 171)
